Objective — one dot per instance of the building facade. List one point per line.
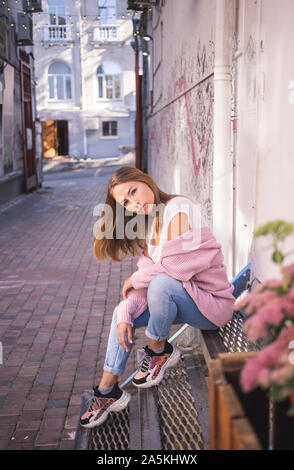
(85, 78)
(20, 162)
(219, 80)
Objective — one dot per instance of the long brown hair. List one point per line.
(113, 247)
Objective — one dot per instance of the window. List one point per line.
(109, 128)
(107, 11)
(59, 80)
(57, 29)
(57, 12)
(109, 81)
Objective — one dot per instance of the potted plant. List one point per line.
(269, 313)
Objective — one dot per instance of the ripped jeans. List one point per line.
(168, 303)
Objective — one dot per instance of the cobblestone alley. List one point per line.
(56, 307)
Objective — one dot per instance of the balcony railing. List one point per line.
(57, 33)
(105, 33)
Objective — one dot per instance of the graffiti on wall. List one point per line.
(180, 150)
(191, 115)
(205, 57)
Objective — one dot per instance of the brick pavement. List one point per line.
(56, 306)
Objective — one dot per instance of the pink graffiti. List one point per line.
(180, 86)
(206, 124)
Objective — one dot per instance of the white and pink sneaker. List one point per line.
(153, 366)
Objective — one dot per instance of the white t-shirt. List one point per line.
(173, 207)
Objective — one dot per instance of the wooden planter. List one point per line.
(237, 421)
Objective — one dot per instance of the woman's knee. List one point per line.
(114, 317)
(159, 285)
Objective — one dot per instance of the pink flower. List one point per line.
(291, 294)
(266, 297)
(270, 365)
(273, 283)
(288, 272)
(252, 301)
(264, 377)
(270, 313)
(249, 378)
(282, 374)
(255, 327)
(287, 306)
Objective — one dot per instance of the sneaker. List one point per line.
(100, 406)
(152, 367)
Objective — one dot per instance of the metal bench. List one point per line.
(230, 338)
(160, 400)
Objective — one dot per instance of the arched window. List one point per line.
(109, 81)
(59, 79)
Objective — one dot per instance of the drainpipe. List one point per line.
(80, 51)
(222, 163)
(138, 122)
(138, 114)
(145, 94)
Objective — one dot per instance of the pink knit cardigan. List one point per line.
(195, 258)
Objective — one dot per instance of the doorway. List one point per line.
(62, 137)
(55, 138)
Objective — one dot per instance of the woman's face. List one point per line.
(135, 196)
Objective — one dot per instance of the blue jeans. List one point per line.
(168, 303)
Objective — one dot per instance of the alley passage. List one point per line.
(56, 305)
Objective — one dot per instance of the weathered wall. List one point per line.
(11, 152)
(181, 126)
(223, 73)
(264, 150)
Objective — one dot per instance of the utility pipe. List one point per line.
(222, 161)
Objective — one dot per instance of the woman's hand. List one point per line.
(127, 286)
(124, 329)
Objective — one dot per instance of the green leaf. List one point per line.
(280, 228)
(278, 257)
(263, 230)
(284, 230)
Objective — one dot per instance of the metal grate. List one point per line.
(113, 434)
(180, 428)
(233, 336)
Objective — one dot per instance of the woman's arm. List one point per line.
(178, 225)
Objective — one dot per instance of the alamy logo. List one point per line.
(135, 227)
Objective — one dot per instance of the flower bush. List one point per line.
(269, 313)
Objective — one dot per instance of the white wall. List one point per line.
(229, 108)
(265, 164)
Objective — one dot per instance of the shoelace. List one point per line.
(94, 401)
(145, 361)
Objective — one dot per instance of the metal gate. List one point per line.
(28, 125)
